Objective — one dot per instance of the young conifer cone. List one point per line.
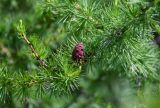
(78, 52)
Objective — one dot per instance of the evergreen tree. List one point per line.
(79, 53)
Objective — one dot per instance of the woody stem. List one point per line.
(36, 55)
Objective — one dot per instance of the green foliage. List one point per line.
(121, 66)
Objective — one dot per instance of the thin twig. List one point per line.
(36, 55)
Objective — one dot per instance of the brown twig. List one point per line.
(36, 55)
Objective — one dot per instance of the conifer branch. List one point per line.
(21, 31)
(36, 55)
(119, 31)
(117, 37)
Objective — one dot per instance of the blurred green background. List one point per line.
(96, 90)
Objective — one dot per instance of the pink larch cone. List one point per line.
(78, 52)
